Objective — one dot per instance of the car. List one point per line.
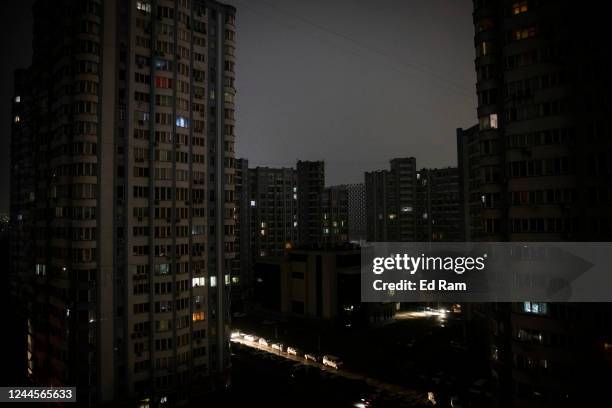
(251, 337)
(279, 347)
(311, 357)
(332, 361)
(263, 342)
(294, 351)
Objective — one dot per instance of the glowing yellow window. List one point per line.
(198, 316)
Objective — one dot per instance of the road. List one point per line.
(410, 395)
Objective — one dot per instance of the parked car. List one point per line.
(332, 361)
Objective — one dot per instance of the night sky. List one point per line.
(352, 82)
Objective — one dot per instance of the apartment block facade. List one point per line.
(538, 168)
(123, 174)
(390, 202)
(310, 186)
(274, 210)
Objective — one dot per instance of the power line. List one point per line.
(412, 65)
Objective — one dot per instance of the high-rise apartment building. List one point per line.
(274, 210)
(310, 185)
(391, 201)
(438, 210)
(123, 175)
(356, 212)
(335, 214)
(242, 264)
(469, 183)
(540, 164)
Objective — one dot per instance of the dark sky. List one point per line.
(352, 82)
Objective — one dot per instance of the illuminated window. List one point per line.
(213, 281)
(488, 122)
(198, 316)
(407, 209)
(162, 269)
(143, 6)
(252, 203)
(41, 269)
(227, 279)
(392, 216)
(520, 7)
(537, 308)
(484, 48)
(195, 282)
(182, 122)
(17, 99)
(17, 119)
(235, 280)
(523, 33)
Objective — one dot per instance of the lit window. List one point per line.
(17, 119)
(182, 122)
(143, 6)
(488, 122)
(235, 280)
(17, 99)
(392, 216)
(195, 282)
(227, 279)
(537, 308)
(294, 223)
(162, 269)
(213, 281)
(198, 316)
(252, 203)
(484, 48)
(523, 33)
(41, 269)
(407, 209)
(520, 7)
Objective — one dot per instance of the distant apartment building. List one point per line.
(356, 212)
(390, 202)
(242, 264)
(274, 210)
(538, 168)
(438, 209)
(470, 183)
(335, 214)
(122, 199)
(310, 186)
